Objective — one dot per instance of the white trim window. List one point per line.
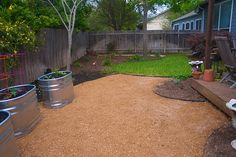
(223, 15)
(192, 25)
(176, 27)
(198, 24)
(187, 26)
(183, 26)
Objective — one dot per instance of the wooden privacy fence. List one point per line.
(53, 51)
(132, 41)
(52, 54)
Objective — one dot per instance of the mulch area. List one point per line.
(179, 90)
(219, 143)
(91, 67)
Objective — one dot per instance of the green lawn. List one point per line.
(174, 65)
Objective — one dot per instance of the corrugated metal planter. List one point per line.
(23, 108)
(57, 92)
(8, 146)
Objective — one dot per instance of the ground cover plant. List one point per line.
(55, 74)
(173, 65)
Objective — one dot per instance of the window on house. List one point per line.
(216, 16)
(192, 25)
(183, 26)
(187, 26)
(222, 15)
(225, 15)
(199, 24)
(176, 27)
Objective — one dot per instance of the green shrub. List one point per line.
(113, 54)
(76, 64)
(107, 61)
(111, 46)
(135, 58)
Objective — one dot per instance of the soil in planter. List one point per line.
(219, 143)
(3, 116)
(179, 90)
(11, 93)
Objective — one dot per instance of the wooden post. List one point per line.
(165, 42)
(145, 35)
(209, 33)
(135, 50)
(178, 41)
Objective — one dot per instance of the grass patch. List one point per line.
(174, 65)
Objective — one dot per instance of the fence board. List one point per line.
(162, 41)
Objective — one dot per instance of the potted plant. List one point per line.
(57, 89)
(21, 102)
(208, 75)
(196, 74)
(8, 146)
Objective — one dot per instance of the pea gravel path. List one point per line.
(120, 116)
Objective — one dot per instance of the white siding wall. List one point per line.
(157, 23)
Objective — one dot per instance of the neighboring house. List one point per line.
(224, 18)
(158, 22)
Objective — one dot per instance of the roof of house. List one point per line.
(192, 13)
(164, 12)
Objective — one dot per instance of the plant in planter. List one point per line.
(8, 146)
(21, 102)
(57, 89)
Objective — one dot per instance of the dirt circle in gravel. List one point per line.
(219, 143)
(179, 90)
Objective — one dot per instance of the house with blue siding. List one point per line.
(224, 18)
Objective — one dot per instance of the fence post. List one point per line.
(164, 42)
(135, 50)
(178, 41)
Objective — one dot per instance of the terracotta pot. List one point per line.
(196, 74)
(208, 75)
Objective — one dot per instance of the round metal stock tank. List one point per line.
(24, 110)
(8, 146)
(57, 92)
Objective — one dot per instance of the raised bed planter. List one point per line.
(8, 146)
(57, 89)
(21, 102)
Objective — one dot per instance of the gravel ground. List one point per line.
(118, 116)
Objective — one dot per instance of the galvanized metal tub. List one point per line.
(57, 92)
(24, 110)
(8, 146)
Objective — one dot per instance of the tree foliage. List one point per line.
(113, 15)
(15, 37)
(182, 5)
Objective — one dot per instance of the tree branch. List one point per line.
(62, 20)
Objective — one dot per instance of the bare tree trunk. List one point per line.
(145, 35)
(69, 23)
(68, 61)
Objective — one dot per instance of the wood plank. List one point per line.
(217, 93)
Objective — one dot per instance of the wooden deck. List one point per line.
(217, 93)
